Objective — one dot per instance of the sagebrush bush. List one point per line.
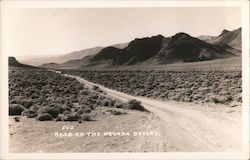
(119, 105)
(116, 112)
(70, 117)
(96, 87)
(30, 113)
(105, 102)
(15, 109)
(17, 119)
(44, 117)
(86, 117)
(27, 103)
(53, 111)
(223, 99)
(60, 117)
(135, 105)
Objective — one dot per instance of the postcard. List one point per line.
(125, 79)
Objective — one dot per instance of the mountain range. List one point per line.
(154, 50)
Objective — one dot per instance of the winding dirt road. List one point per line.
(181, 128)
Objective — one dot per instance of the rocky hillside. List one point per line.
(231, 38)
(138, 50)
(14, 64)
(189, 49)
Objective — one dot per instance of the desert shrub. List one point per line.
(30, 113)
(15, 109)
(14, 101)
(60, 117)
(70, 117)
(95, 96)
(112, 103)
(17, 119)
(34, 96)
(27, 104)
(61, 109)
(86, 110)
(187, 99)
(213, 99)
(223, 99)
(96, 87)
(85, 92)
(135, 105)
(198, 97)
(69, 103)
(44, 117)
(66, 112)
(237, 98)
(105, 102)
(86, 117)
(116, 112)
(83, 110)
(118, 105)
(176, 97)
(65, 108)
(53, 111)
(35, 107)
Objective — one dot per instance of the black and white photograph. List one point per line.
(125, 79)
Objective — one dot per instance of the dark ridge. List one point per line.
(13, 62)
(189, 49)
(137, 51)
(142, 49)
(108, 53)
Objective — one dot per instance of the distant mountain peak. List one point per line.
(224, 32)
(14, 63)
(181, 36)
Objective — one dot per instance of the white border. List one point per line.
(5, 5)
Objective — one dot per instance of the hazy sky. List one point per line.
(59, 31)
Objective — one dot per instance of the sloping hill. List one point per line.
(14, 65)
(71, 64)
(78, 54)
(37, 61)
(231, 38)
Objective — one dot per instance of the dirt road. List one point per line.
(184, 128)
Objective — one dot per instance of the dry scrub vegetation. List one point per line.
(46, 96)
(221, 87)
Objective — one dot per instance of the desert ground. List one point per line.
(179, 126)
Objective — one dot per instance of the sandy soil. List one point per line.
(179, 126)
(30, 135)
